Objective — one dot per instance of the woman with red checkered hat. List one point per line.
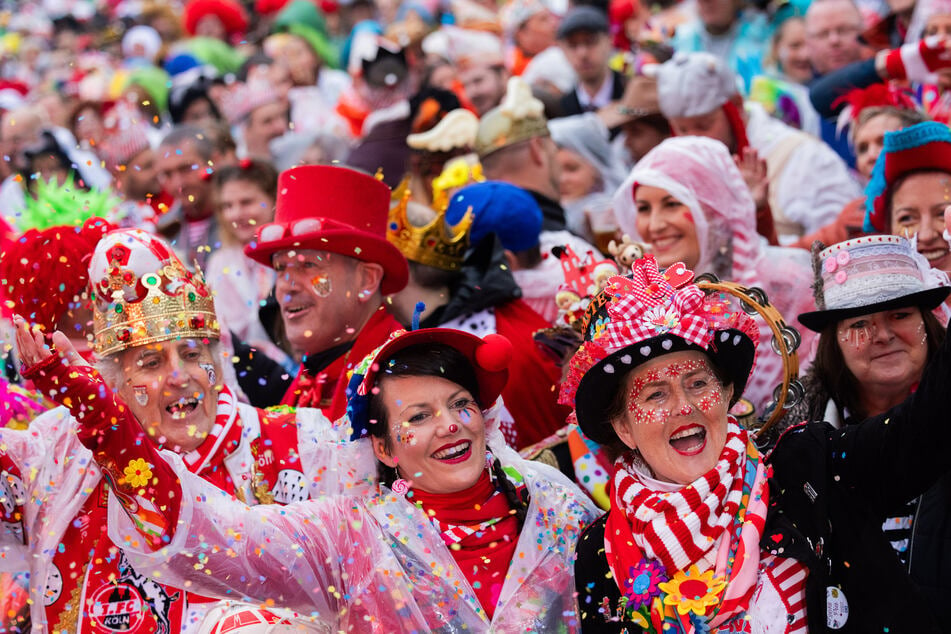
(705, 534)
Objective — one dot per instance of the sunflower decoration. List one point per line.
(693, 591)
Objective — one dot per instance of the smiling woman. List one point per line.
(687, 200)
(910, 188)
(877, 332)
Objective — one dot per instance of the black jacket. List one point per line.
(571, 106)
(829, 493)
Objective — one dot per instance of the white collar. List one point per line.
(601, 98)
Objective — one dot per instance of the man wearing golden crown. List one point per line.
(156, 339)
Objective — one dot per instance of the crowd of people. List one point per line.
(475, 316)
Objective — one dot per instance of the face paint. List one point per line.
(210, 371)
(856, 337)
(709, 395)
(711, 400)
(321, 284)
(141, 394)
(922, 332)
(404, 434)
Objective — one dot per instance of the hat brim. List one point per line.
(362, 246)
(929, 299)
(491, 382)
(730, 350)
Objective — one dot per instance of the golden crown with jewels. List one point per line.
(144, 294)
(435, 244)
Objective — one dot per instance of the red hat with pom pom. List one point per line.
(489, 356)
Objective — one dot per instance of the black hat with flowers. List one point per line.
(641, 317)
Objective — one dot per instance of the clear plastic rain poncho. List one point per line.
(701, 174)
(371, 563)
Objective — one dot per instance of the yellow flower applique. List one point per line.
(693, 591)
(138, 472)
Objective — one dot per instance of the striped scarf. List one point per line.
(224, 437)
(683, 529)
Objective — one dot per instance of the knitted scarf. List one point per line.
(480, 529)
(224, 437)
(711, 578)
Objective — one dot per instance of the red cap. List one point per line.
(335, 209)
(490, 357)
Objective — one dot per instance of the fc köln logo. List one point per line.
(117, 607)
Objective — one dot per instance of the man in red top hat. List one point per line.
(328, 245)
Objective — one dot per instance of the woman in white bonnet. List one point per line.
(688, 202)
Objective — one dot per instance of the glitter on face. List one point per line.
(922, 332)
(321, 284)
(857, 337)
(667, 382)
(711, 400)
(404, 434)
(210, 371)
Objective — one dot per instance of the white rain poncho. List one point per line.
(370, 563)
(700, 173)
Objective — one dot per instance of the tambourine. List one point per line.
(785, 343)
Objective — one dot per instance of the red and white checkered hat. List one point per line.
(641, 317)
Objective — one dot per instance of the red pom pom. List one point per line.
(494, 354)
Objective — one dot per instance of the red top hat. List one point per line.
(335, 209)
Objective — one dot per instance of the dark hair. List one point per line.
(839, 384)
(260, 173)
(445, 362)
(180, 99)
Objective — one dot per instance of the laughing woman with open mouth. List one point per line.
(457, 537)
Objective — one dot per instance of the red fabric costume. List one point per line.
(90, 587)
(327, 390)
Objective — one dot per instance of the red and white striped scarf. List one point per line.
(225, 435)
(682, 528)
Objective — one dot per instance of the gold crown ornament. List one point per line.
(435, 244)
(142, 294)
